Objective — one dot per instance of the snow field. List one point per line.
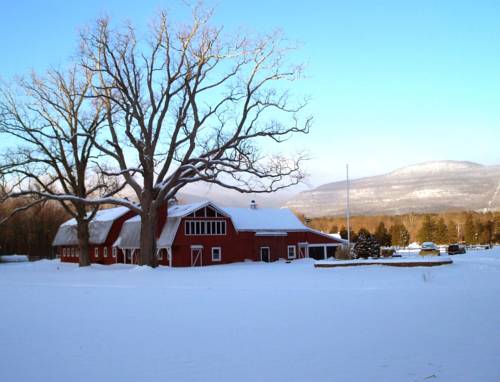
(251, 322)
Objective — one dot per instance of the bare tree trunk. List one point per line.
(148, 231)
(83, 242)
(148, 240)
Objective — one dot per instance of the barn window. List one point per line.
(73, 252)
(96, 252)
(205, 227)
(291, 252)
(105, 251)
(216, 254)
(113, 251)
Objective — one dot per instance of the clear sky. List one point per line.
(392, 82)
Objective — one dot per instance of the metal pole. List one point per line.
(348, 212)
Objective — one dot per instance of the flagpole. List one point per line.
(348, 212)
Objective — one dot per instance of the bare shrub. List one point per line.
(342, 253)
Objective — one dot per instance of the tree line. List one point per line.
(400, 230)
(32, 232)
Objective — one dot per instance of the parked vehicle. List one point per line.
(456, 249)
(429, 249)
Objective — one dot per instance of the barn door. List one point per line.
(196, 256)
(303, 252)
(265, 254)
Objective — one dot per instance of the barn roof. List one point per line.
(130, 234)
(99, 227)
(265, 219)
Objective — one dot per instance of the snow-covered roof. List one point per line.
(168, 232)
(181, 210)
(98, 228)
(265, 219)
(130, 234)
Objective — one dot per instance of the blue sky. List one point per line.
(392, 82)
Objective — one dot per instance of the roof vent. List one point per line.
(253, 205)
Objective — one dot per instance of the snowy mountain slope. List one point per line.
(425, 187)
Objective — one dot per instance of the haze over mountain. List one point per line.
(425, 187)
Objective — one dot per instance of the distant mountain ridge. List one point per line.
(425, 187)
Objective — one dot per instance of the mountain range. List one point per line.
(426, 187)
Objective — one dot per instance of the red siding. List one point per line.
(235, 246)
(239, 246)
(110, 239)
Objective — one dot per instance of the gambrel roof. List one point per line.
(99, 227)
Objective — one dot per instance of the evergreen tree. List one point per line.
(441, 234)
(496, 233)
(427, 230)
(343, 235)
(364, 232)
(382, 235)
(452, 232)
(469, 229)
(334, 229)
(486, 235)
(399, 235)
(366, 246)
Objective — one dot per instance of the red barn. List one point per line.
(204, 234)
(103, 231)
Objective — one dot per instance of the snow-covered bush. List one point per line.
(366, 246)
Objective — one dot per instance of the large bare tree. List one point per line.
(189, 104)
(52, 122)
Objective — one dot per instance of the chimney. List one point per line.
(253, 205)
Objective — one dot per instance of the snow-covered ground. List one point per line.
(251, 322)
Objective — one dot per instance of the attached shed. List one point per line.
(103, 231)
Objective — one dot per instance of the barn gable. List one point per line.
(130, 234)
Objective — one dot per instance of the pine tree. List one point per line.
(382, 235)
(452, 232)
(441, 234)
(469, 229)
(334, 229)
(366, 246)
(486, 233)
(399, 235)
(427, 230)
(343, 235)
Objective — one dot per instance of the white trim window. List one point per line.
(216, 254)
(73, 252)
(105, 251)
(96, 252)
(292, 252)
(205, 227)
(64, 252)
(113, 252)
